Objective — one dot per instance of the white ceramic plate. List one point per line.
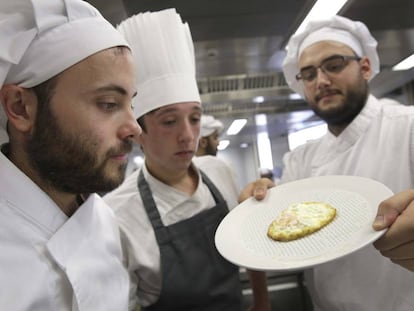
(242, 237)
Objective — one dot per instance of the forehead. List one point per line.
(180, 108)
(317, 52)
(112, 66)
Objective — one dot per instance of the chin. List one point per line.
(115, 176)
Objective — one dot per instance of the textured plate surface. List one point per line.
(242, 235)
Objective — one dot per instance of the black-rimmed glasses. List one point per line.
(333, 64)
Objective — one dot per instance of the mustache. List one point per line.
(326, 92)
(123, 148)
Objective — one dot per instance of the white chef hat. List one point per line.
(40, 39)
(209, 124)
(336, 28)
(164, 57)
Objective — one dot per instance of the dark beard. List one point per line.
(352, 106)
(210, 150)
(68, 162)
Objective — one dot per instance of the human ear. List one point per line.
(202, 142)
(366, 68)
(19, 105)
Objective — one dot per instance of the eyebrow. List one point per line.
(114, 88)
(172, 109)
(306, 67)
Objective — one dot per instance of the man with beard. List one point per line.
(210, 129)
(169, 209)
(330, 64)
(70, 127)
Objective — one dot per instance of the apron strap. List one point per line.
(151, 209)
(214, 191)
(153, 213)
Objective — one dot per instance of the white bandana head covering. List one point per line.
(209, 124)
(336, 28)
(40, 39)
(164, 57)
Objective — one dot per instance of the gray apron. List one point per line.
(194, 275)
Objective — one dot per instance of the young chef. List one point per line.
(169, 210)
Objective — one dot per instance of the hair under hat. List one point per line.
(40, 39)
(209, 125)
(336, 28)
(164, 58)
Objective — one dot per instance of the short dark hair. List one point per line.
(44, 91)
(141, 123)
(141, 120)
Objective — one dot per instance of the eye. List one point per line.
(308, 74)
(168, 122)
(334, 65)
(108, 106)
(195, 119)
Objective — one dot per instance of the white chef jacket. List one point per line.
(141, 251)
(49, 262)
(378, 144)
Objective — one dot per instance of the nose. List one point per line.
(130, 128)
(321, 77)
(188, 131)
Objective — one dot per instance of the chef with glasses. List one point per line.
(330, 64)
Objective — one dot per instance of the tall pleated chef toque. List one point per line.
(336, 28)
(164, 57)
(39, 39)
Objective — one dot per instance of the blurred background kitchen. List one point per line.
(239, 48)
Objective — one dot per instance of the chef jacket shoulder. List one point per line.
(215, 167)
(222, 175)
(128, 190)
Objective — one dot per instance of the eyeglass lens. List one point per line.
(334, 64)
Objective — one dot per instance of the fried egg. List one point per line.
(300, 219)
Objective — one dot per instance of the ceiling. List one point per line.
(239, 47)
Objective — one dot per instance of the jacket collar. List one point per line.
(22, 194)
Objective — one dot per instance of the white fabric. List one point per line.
(40, 39)
(332, 34)
(164, 57)
(51, 262)
(378, 144)
(209, 125)
(138, 238)
(331, 29)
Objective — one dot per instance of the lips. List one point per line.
(185, 153)
(122, 157)
(326, 93)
